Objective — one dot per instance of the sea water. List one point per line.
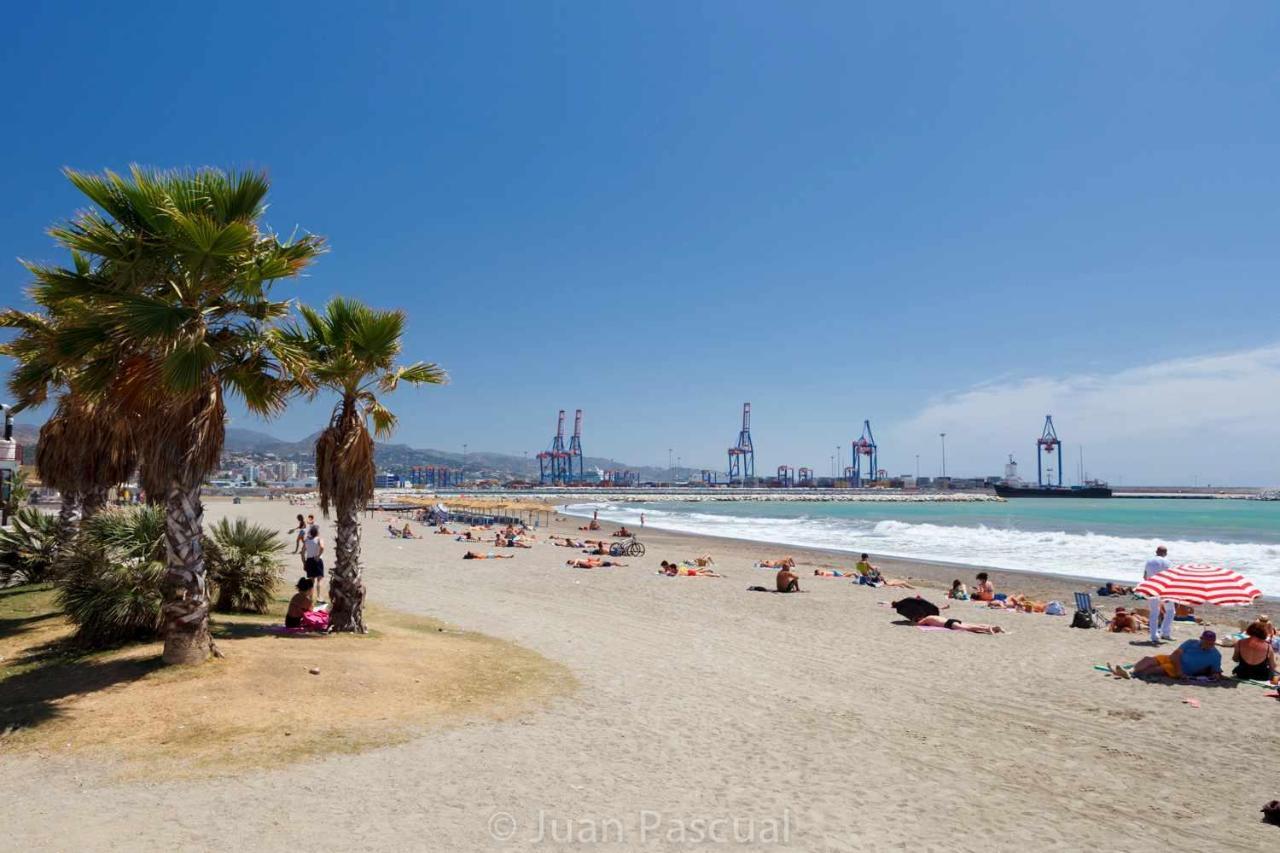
(1103, 539)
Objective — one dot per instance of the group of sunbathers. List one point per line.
(401, 533)
(689, 569)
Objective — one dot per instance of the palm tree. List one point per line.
(351, 349)
(84, 449)
(175, 270)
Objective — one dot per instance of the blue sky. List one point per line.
(655, 211)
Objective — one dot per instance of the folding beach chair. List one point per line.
(1086, 615)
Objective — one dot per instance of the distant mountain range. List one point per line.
(403, 456)
(395, 456)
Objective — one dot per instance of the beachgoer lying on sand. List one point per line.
(589, 563)
(622, 531)
(672, 570)
(465, 536)
(1110, 588)
(958, 591)
(569, 543)
(594, 525)
(898, 582)
(784, 563)
(957, 625)
(1255, 658)
(832, 573)
(472, 555)
(983, 590)
(1193, 659)
(443, 529)
(1126, 622)
(1018, 602)
(788, 581)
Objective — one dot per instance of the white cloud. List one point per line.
(1211, 419)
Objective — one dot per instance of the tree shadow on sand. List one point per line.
(59, 670)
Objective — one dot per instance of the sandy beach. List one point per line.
(805, 722)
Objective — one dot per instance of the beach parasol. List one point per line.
(915, 608)
(1197, 583)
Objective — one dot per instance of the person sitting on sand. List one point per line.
(1193, 659)
(408, 533)
(591, 563)
(983, 590)
(443, 529)
(473, 555)
(788, 581)
(1255, 658)
(784, 563)
(622, 531)
(395, 534)
(704, 560)
(1110, 588)
(958, 591)
(866, 570)
(1125, 622)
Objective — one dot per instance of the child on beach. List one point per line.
(958, 591)
(984, 591)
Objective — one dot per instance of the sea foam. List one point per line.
(1089, 555)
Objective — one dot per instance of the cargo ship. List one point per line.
(1088, 490)
(1012, 486)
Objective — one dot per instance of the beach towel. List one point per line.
(936, 628)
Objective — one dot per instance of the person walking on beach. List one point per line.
(1161, 628)
(642, 519)
(313, 559)
(300, 534)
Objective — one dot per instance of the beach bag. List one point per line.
(1271, 812)
(315, 620)
(1081, 620)
(1055, 608)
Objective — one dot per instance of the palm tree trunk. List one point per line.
(346, 586)
(68, 520)
(186, 594)
(92, 502)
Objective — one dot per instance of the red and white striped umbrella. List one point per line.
(1197, 583)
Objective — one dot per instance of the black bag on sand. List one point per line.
(1271, 812)
(1082, 620)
